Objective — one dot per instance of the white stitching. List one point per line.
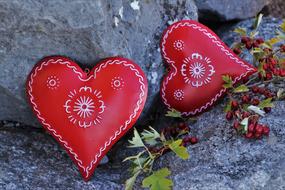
(173, 73)
(118, 132)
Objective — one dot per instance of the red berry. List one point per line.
(267, 109)
(193, 140)
(182, 126)
(259, 129)
(259, 40)
(268, 76)
(266, 130)
(248, 45)
(255, 102)
(234, 104)
(251, 128)
(237, 51)
(245, 39)
(257, 135)
(236, 125)
(255, 89)
(249, 135)
(245, 114)
(282, 48)
(255, 44)
(229, 115)
(282, 73)
(245, 99)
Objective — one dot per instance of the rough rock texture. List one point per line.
(221, 160)
(225, 10)
(86, 31)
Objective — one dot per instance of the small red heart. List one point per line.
(86, 113)
(197, 60)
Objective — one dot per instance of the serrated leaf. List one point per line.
(178, 149)
(173, 113)
(240, 31)
(150, 136)
(256, 110)
(266, 103)
(257, 21)
(131, 181)
(136, 141)
(261, 70)
(158, 180)
(241, 88)
(228, 83)
(273, 41)
(228, 107)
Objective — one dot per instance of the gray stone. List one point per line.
(225, 10)
(84, 30)
(31, 159)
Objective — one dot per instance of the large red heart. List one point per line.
(197, 59)
(87, 113)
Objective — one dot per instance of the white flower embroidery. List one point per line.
(84, 107)
(197, 70)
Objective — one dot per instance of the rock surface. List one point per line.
(225, 10)
(85, 31)
(31, 159)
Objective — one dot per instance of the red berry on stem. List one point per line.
(229, 115)
(251, 128)
(255, 102)
(237, 51)
(249, 135)
(234, 104)
(236, 125)
(193, 140)
(259, 129)
(267, 109)
(255, 89)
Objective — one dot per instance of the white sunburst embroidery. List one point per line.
(179, 45)
(84, 107)
(178, 94)
(197, 70)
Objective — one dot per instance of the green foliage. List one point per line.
(173, 113)
(228, 83)
(241, 31)
(179, 150)
(136, 140)
(158, 180)
(267, 103)
(241, 88)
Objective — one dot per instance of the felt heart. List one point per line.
(197, 59)
(87, 113)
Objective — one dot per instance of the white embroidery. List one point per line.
(84, 107)
(178, 45)
(216, 41)
(178, 94)
(117, 83)
(114, 136)
(197, 70)
(53, 82)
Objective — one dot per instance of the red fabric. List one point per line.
(197, 59)
(87, 114)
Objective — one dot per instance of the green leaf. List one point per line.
(261, 69)
(282, 26)
(257, 21)
(173, 113)
(228, 106)
(150, 136)
(136, 141)
(228, 83)
(241, 88)
(266, 103)
(256, 110)
(179, 150)
(240, 31)
(158, 180)
(273, 41)
(131, 181)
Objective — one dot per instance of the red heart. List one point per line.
(85, 113)
(197, 60)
